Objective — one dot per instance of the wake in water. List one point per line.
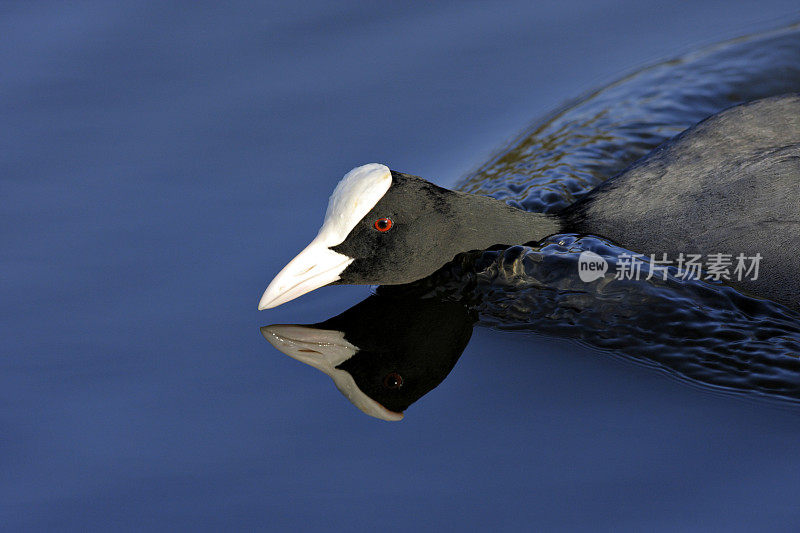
(702, 331)
(706, 332)
(563, 156)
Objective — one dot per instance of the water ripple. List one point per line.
(564, 155)
(702, 331)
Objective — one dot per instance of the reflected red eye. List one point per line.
(383, 224)
(393, 380)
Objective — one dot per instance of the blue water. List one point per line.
(160, 163)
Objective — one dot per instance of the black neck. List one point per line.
(484, 222)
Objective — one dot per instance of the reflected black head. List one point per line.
(406, 346)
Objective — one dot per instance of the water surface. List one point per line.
(160, 162)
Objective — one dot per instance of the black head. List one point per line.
(408, 235)
(385, 227)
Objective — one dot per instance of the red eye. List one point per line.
(393, 380)
(383, 224)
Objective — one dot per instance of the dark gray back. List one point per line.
(730, 184)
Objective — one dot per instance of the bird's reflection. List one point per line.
(384, 353)
(397, 345)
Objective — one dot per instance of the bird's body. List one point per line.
(729, 185)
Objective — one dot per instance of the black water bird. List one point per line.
(728, 185)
